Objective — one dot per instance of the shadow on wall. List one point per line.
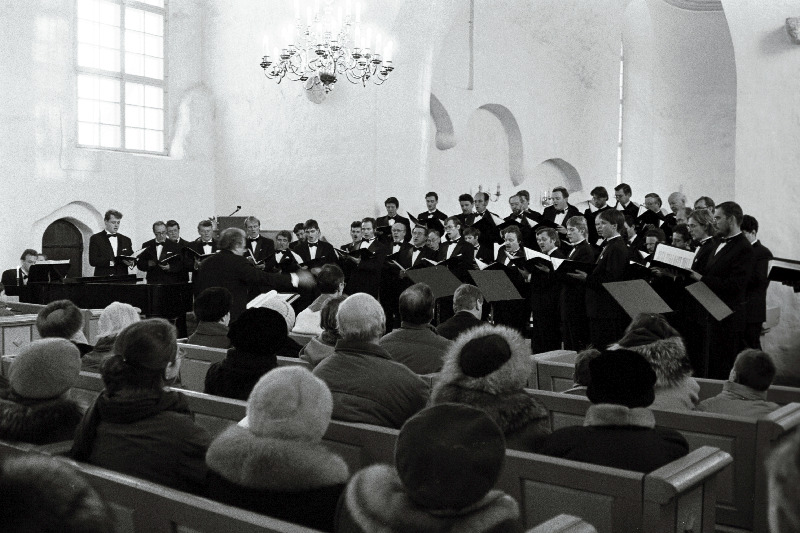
(84, 216)
(553, 172)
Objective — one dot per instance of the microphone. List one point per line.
(238, 208)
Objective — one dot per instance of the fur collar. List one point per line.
(272, 464)
(512, 411)
(511, 377)
(39, 422)
(667, 357)
(377, 502)
(607, 414)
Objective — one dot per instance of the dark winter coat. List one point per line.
(237, 374)
(37, 421)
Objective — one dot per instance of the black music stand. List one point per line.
(441, 281)
(637, 296)
(495, 286)
(45, 272)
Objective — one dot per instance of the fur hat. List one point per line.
(258, 331)
(149, 344)
(621, 377)
(60, 318)
(493, 359)
(280, 306)
(449, 456)
(45, 369)
(289, 403)
(661, 345)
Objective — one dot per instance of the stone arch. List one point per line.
(84, 216)
(516, 167)
(553, 172)
(445, 136)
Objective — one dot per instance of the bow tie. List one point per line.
(111, 235)
(160, 243)
(560, 211)
(312, 244)
(249, 240)
(419, 248)
(369, 240)
(728, 239)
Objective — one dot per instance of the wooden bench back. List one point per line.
(564, 523)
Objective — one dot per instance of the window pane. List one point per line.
(88, 55)
(109, 36)
(134, 93)
(88, 32)
(134, 42)
(109, 113)
(134, 139)
(109, 13)
(153, 96)
(88, 87)
(153, 141)
(109, 136)
(109, 89)
(153, 119)
(153, 24)
(88, 9)
(134, 19)
(88, 133)
(153, 68)
(134, 64)
(109, 59)
(156, 3)
(134, 116)
(88, 110)
(153, 46)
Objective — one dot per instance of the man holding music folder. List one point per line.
(162, 259)
(110, 252)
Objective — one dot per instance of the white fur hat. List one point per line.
(279, 305)
(289, 403)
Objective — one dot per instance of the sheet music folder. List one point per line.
(495, 285)
(441, 281)
(637, 296)
(48, 271)
(710, 301)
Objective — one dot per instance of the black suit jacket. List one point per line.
(550, 213)
(513, 273)
(101, 254)
(183, 275)
(325, 253)
(466, 220)
(407, 256)
(456, 324)
(632, 209)
(590, 222)
(264, 248)
(703, 254)
(573, 292)
(485, 253)
(610, 267)
(366, 276)
(197, 246)
(384, 221)
(546, 287)
(286, 264)
(728, 272)
(464, 253)
(488, 228)
(433, 220)
(11, 281)
(154, 272)
(756, 295)
(239, 276)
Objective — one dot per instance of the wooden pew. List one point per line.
(741, 491)
(197, 360)
(140, 506)
(564, 523)
(301, 338)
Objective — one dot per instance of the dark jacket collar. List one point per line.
(362, 348)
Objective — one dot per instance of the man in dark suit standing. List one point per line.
(486, 222)
(559, 213)
(545, 296)
(366, 276)
(174, 234)
(230, 270)
(257, 247)
(432, 218)
(467, 214)
(728, 273)
(607, 320)
(756, 305)
(157, 250)
(597, 205)
(623, 193)
(313, 251)
(203, 245)
(14, 279)
(282, 260)
(483, 253)
(461, 253)
(414, 255)
(387, 222)
(392, 285)
(574, 322)
(468, 309)
(106, 246)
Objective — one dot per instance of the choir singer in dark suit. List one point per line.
(106, 246)
(158, 249)
(756, 306)
(257, 247)
(366, 276)
(545, 296)
(15, 278)
(314, 251)
(561, 210)
(229, 269)
(461, 253)
(574, 322)
(391, 219)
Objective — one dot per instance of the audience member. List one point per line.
(367, 385)
(330, 282)
(273, 462)
(447, 459)
(114, 318)
(43, 494)
(290, 347)
(581, 375)
(212, 308)
(745, 392)
(618, 430)
(256, 336)
(468, 309)
(138, 427)
(416, 343)
(63, 319)
(35, 408)
(783, 486)
(488, 367)
(662, 346)
(324, 345)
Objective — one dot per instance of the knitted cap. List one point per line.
(258, 331)
(289, 402)
(621, 377)
(150, 344)
(449, 456)
(280, 306)
(116, 317)
(483, 355)
(44, 369)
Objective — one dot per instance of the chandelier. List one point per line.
(329, 46)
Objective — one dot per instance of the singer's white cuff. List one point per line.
(295, 280)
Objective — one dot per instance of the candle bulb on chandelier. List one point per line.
(265, 44)
(358, 12)
(377, 48)
(387, 51)
(367, 39)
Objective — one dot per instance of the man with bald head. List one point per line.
(367, 385)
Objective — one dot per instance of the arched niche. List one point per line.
(554, 172)
(516, 168)
(86, 219)
(445, 137)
